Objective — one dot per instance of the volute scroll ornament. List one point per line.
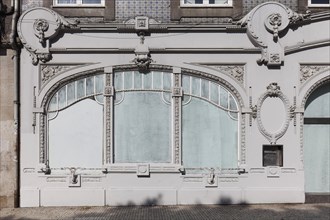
(45, 24)
(266, 24)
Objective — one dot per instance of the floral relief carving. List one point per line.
(307, 71)
(236, 71)
(40, 26)
(49, 71)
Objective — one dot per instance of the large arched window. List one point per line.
(157, 118)
(316, 141)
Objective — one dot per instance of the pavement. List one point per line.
(316, 211)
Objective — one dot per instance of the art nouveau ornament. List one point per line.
(273, 91)
(45, 24)
(275, 19)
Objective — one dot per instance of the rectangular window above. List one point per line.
(206, 3)
(79, 3)
(319, 3)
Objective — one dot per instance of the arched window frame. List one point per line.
(176, 114)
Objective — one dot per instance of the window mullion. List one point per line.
(176, 115)
(108, 115)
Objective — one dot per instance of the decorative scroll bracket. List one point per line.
(44, 29)
(272, 53)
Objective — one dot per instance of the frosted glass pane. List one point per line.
(137, 80)
(99, 83)
(167, 81)
(80, 88)
(66, 1)
(316, 158)
(62, 97)
(119, 81)
(157, 81)
(205, 89)
(214, 93)
(195, 86)
(186, 84)
(223, 98)
(209, 136)
(318, 103)
(71, 90)
(142, 129)
(99, 98)
(232, 103)
(128, 80)
(75, 136)
(53, 103)
(147, 80)
(90, 85)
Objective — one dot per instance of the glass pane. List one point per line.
(318, 103)
(193, 1)
(90, 85)
(195, 86)
(75, 136)
(91, 1)
(80, 88)
(209, 136)
(119, 81)
(100, 98)
(128, 79)
(66, 1)
(137, 80)
(53, 103)
(186, 84)
(232, 103)
(99, 83)
(71, 93)
(223, 98)
(214, 93)
(317, 158)
(166, 81)
(147, 80)
(218, 1)
(157, 80)
(205, 89)
(142, 129)
(320, 1)
(62, 97)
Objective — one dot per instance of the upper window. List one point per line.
(319, 3)
(79, 2)
(203, 3)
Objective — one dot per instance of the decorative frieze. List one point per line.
(235, 71)
(47, 72)
(307, 71)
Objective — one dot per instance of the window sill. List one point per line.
(319, 6)
(154, 168)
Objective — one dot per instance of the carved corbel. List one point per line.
(142, 55)
(44, 29)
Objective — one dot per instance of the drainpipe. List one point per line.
(16, 58)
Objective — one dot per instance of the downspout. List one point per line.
(16, 59)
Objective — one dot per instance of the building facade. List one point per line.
(172, 102)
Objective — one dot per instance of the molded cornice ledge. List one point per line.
(45, 25)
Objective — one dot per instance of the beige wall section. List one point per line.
(8, 143)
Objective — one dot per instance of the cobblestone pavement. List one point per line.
(274, 211)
